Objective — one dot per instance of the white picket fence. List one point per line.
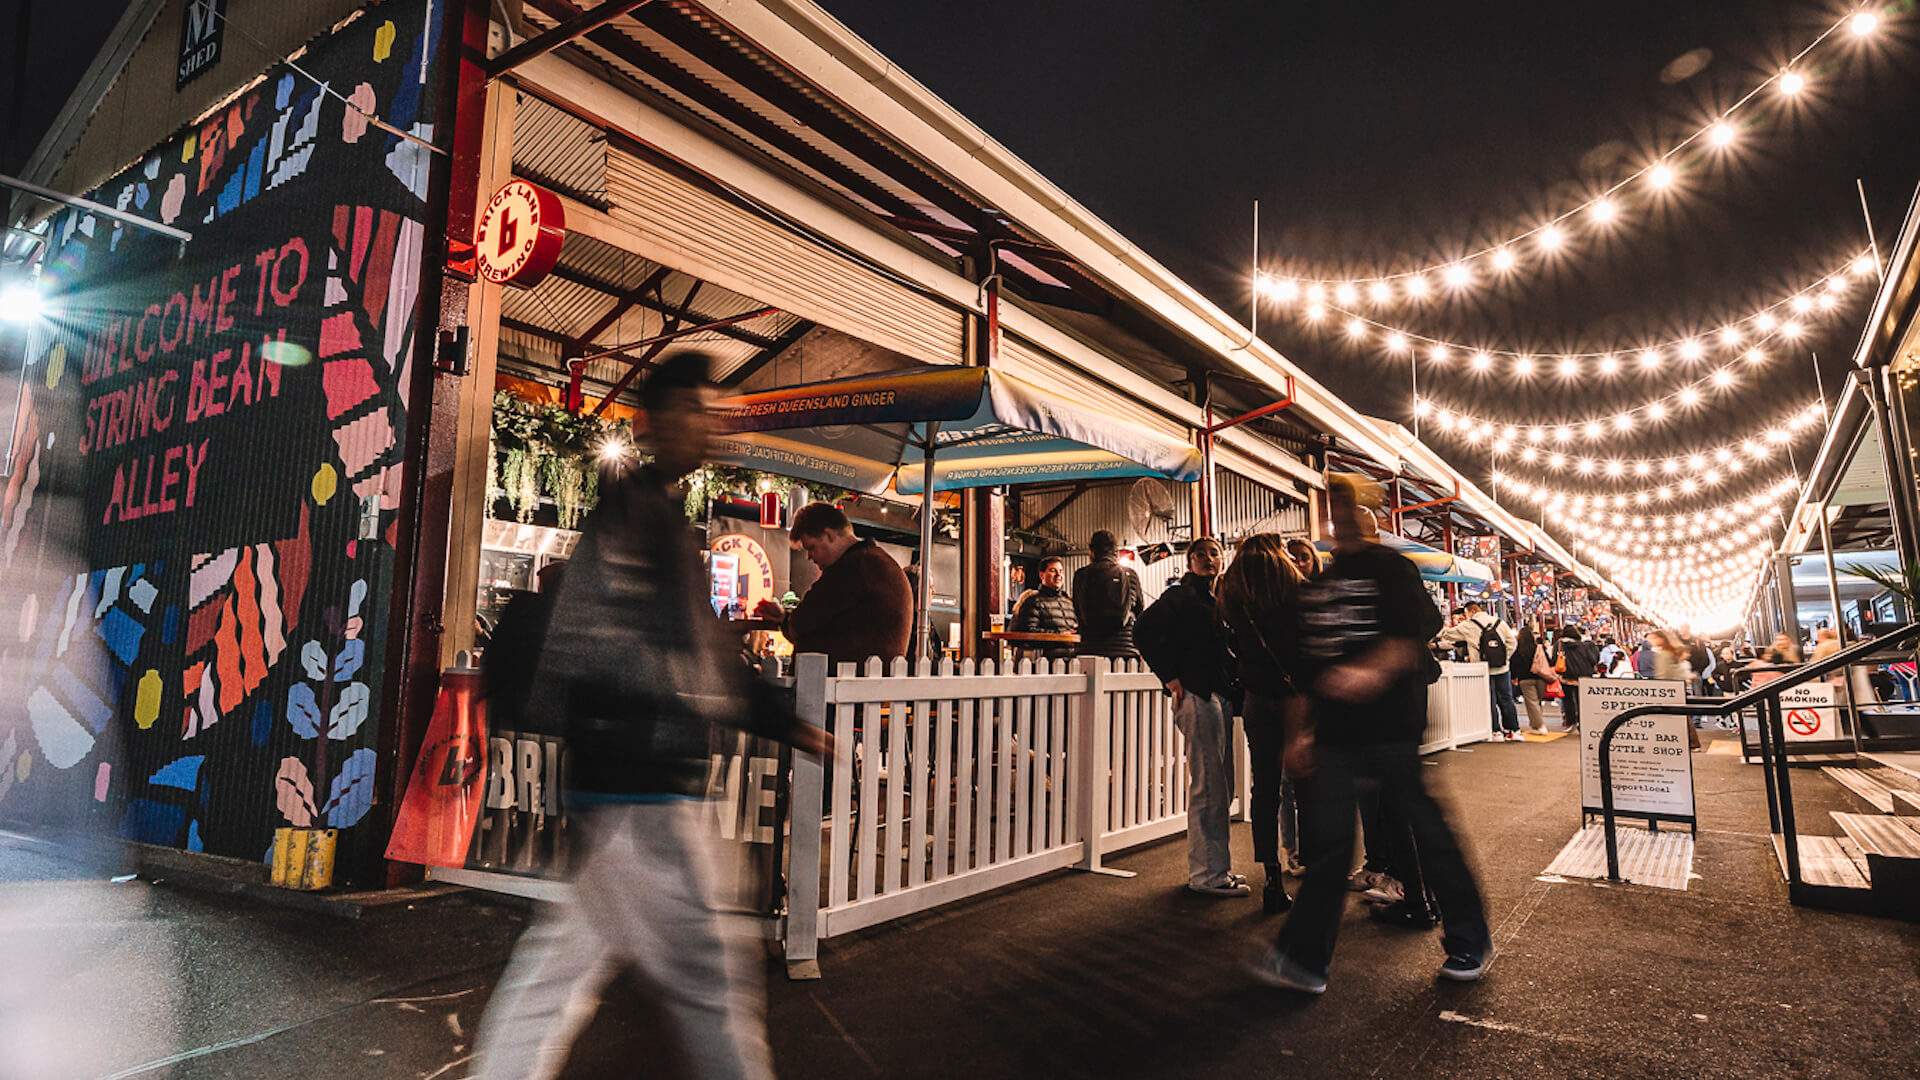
(949, 780)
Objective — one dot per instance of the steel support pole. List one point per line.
(923, 582)
(1788, 834)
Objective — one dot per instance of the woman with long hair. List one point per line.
(1258, 599)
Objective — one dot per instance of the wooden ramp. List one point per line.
(1662, 859)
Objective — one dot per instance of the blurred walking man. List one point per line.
(636, 663)
(1366, 622)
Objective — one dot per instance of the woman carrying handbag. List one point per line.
(1533, 669)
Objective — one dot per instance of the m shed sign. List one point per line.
(203, 26)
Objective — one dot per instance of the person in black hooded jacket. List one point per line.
(1184, 641)
(1107, 598)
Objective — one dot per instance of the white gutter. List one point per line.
(553, 76)
(865, 82)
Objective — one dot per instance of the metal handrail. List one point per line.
(1772, 732)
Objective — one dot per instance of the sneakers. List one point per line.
(1385, 891)
(1464, 967)
(1233, 886)
(1275, 970)
(1405, 916)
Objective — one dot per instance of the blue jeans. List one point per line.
(1505, 717)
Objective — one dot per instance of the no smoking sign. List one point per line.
(1803, 721)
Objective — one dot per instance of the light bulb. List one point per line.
(1316, 312)
(1801, 304)
(1438, 354)
(1346, 294)
(1457, 276)
(1397, 342)
(1356, 329)
(1863, 266)
(1591, 429)
(1688, 396)
(1863, 23)
(1568, 367)
(1691, 350)
(1623, 422)
(1661, 176)
(1755, 357)
(1523, 366)
(1603, 211)
(1316, 293)
(1721, 134)
(1609, 364)
(1379, 292)
(1765, 322)
(1418, 287)
(1285, 290)
(1657, 410)
(1792, 82)
(1723, 378)
(1649, 359)
(1836, 284)
(1482, 361)
(1551, 238)
(1729, 336)
(1504, 259)
(1791, 329)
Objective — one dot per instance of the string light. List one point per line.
(1458, 421)
(1758, 326)
(1719, 132)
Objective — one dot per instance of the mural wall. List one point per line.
(197, 545)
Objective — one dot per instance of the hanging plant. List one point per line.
(544, 450)
(565, 478)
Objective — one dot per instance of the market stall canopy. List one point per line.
(1434, 564)
(989, 429)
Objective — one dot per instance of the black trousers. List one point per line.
(1341, 775)
(1266, 743)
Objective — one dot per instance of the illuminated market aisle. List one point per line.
(1078, 975)
(1139, 978)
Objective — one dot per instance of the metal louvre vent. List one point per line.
(704, 235)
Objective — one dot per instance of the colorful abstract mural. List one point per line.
(197, 550)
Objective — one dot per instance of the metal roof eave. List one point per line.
(812, 42)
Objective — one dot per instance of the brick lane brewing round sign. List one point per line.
(519, 236)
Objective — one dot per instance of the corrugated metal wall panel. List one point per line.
(1244, 507)
(142, 108)
(706, 236)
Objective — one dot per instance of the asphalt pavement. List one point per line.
(1071, 975)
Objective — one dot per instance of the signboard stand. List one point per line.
(1652, 765)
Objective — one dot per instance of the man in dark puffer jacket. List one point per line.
(1048, 610)
(1107, 598)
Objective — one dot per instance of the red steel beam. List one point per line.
(1255, 414)
(658, 342)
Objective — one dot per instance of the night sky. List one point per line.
(1385, 135)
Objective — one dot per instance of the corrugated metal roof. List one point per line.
(586, 287)
(559, 151)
